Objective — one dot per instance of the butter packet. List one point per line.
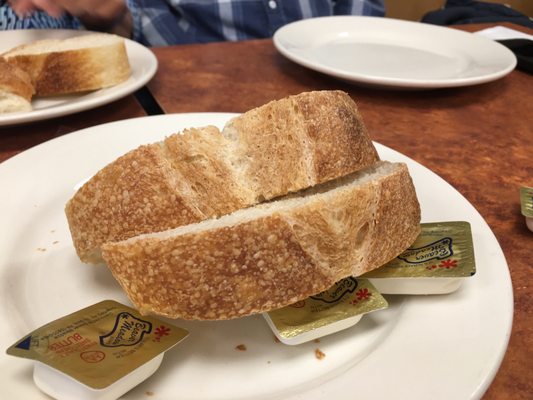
(99, 352)
(335, 309)
(436, 263)
(526, 203)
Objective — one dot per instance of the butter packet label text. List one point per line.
(99, 344)
(443, 249)
(348, 298)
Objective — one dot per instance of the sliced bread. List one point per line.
(281, 147)
(16, 89)
(274, 254)
(72, 65)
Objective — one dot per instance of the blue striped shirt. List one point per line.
(37, 20)
(162, 22)
(166, 22)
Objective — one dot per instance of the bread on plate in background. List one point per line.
(73, 65)
(16, 88)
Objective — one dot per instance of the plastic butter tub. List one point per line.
(61, 386)
(417, 286)
(98, 353)
(333, 310)
(526, 203)
(438, 262)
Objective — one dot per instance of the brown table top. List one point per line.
(478, 138)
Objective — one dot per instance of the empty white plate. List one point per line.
(393, 53)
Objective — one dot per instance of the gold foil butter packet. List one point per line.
(526, 201)
(335, 309)
(526, 204)
(443, 250)
(100, 344)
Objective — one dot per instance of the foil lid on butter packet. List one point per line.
(330, 311)
(442, 250)
(526, 205)
(438, 262)
(100, 344)
(526, 201)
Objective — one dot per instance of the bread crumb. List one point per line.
(148, 393)
(240, 347)
(319, 354)
(41, 249)
(55, 242)
(316, 340)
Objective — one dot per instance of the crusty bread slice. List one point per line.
(281, 147)
(73, 65)
(182, 180)
(16, 89)
(299, 141)
(274, 254)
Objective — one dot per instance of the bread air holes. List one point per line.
(291, 139)
(361, 235)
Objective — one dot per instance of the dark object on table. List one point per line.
(523, 50)
(456, 12)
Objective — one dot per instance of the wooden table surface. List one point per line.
(478, 138)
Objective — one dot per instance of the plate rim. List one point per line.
(487, 379)
(67, 108)
(391, 82)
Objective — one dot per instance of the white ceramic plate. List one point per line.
(433, 347)
(393, 53)
(143, 67)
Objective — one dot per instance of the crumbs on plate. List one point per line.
(240, 347)
(319, 354)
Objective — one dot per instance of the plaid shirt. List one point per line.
(165, 22)
(37, 20)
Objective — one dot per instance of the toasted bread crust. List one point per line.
(331, 124)
(153, 188)
(198, 155)
(14, 80)
(264, 153)
(273, 260)
(139, 194)
(318, 136)
(55, 72)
